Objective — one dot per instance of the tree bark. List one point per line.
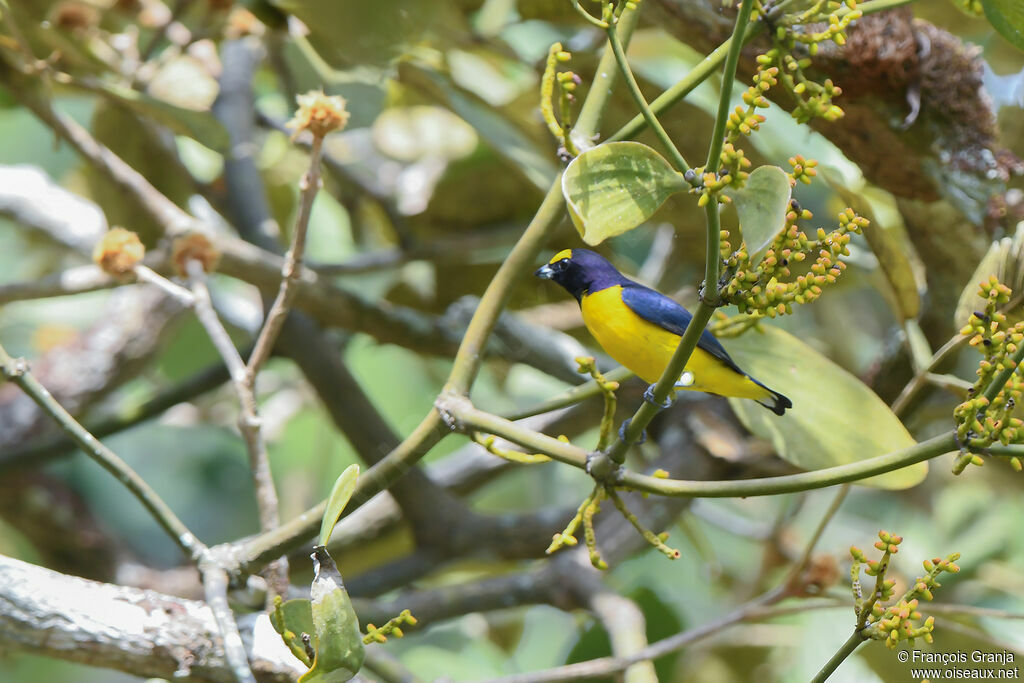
(142, 632)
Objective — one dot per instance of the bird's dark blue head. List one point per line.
(580, 271)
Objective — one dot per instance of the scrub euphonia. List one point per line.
(641, 329)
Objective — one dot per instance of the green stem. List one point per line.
(17, 371)
(39, 452)
(700, 73)
(841, 474)
(465, 417)
(1003, 376)
(710, 297)
(641, 103)
(848, 648)
(589, 120)
(572, 396)
(550, 213)
(732, 59)
(257, 552)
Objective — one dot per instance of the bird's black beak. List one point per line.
(545, 272)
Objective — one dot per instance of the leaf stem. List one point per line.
(524, 253)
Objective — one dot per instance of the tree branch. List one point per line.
(16, 370)
(138, 631)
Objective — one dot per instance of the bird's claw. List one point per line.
(625, 426)
(649, 397)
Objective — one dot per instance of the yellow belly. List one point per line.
(646, 348)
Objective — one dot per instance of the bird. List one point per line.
(641, 328)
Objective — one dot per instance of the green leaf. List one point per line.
(761, 205)
(294, 618)
(615, 187)
(338, 642)
(340, 494)
(889, 242)
(1005, 260)
(1007, 16)
(835, 419)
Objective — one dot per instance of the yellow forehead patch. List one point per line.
(565, 253)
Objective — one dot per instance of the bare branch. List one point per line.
(16, 370)
(75, 280)
(310, 185)
(249, 423)
(100, 624)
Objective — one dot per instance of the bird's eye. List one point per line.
(564, 262)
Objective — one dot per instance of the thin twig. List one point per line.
(37, 453)
(76, 280)
(638, 98)
(211, 322)
(249, 423)
(147, 274)
(606, 666)
(16, 370)
(805, 558)
(310, 185)
(215, 587)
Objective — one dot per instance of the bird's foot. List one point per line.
(649, 397)
(625, 426)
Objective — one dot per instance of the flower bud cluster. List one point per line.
(769, 287)
(567, 81)
(375, 634)
(983, 419)
(733, 164)
(901, 620)
(793, 47)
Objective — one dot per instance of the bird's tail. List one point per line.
(775, 402)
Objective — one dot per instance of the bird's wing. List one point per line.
(657, 308)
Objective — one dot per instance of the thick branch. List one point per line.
(141, 632)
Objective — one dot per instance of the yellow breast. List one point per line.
(646, 348)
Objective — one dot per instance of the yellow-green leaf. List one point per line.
(835, 419)
(340, 494)
(1007, 16)
(761, 205)
(337, 639)
(615, 187)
